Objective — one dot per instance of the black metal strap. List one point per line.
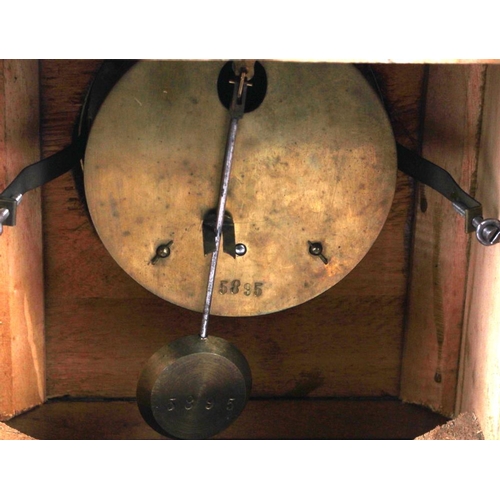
(441, 181)
(48, 169)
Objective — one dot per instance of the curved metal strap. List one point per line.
(48, 169)
(44, 171)
(441, 181)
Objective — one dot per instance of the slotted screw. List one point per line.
(162, 252)
(487, 230)
(316, 249)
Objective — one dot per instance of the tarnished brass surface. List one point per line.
(194, 388)
(316, 162)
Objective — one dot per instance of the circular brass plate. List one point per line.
(194, 388)
(315, 162)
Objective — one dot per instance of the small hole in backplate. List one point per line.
(255, 93)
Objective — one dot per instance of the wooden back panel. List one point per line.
(101, 326)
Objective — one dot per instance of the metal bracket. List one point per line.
(487, 230)
(8, 211)
(228, 235)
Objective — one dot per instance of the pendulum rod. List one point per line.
(218, 228)
(236, 112)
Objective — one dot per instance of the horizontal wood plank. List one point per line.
(98, 346)
(261, 419)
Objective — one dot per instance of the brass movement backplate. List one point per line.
(315, 162)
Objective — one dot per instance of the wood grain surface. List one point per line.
(9, 434)
(479, 382)
(261, 419)
(22, 362)
(102, 326)
(440, 251)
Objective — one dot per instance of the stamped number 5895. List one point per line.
(235, 286)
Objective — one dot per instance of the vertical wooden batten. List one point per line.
(22, 356)
(479, 387)
(440, 250)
